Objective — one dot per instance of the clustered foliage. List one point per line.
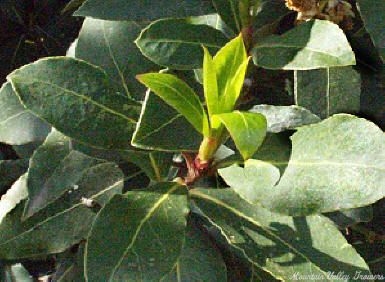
(199, 140)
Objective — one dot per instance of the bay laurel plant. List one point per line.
(198, 140)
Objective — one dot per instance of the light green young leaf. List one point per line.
(284, 246)
(230, 97)
(210, 84)
(248, 130)
(231, 63)
(311, 45)
(178, 95)
(159, 123)
(138, 236)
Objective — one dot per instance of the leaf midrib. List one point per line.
(199, 43)
(252, 221)
(148, 215)
(275, 45)
(62, 212)
(83, 97)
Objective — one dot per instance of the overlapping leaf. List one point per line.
(230, 64)
(314, 44)
(328, 91)
(229, 12)
(100, 43)
(55, 168)
(10, 170)
(336, 164)
(86, 106)
(199, 260)
(281, 245)
(371, 13)
(160, 127)
(178, 95)
(177, 43)
(63, 223)
(246, 129)
(138, 235)
(144, 11)
(18, 125)
(281, 118)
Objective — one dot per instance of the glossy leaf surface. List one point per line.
(314, 44)
(100, 43)
(18, 125)
(78, 100)
(138, 235)
(177, 43)
(178, 95)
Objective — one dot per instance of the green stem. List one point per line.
(207, 149)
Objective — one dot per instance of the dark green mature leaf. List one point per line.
(248, 130)
(101, 43)
(70, 266)
(350, 217)
(156, 165)
(229, 12)
(213, 20)
(336, 164)
(281, 118)
(314, 44)
(18, 125)
(160, 127)
(281, 245)
(72, 6)
(372, 14)
(138, 235)
(268, 12)
(328, 91)
(176, 93)
(78, 100)
(144, 10)
(177, 43)
(64, 222)
(55, 168)
(10, 170)
(199, 260)
(373, 96)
